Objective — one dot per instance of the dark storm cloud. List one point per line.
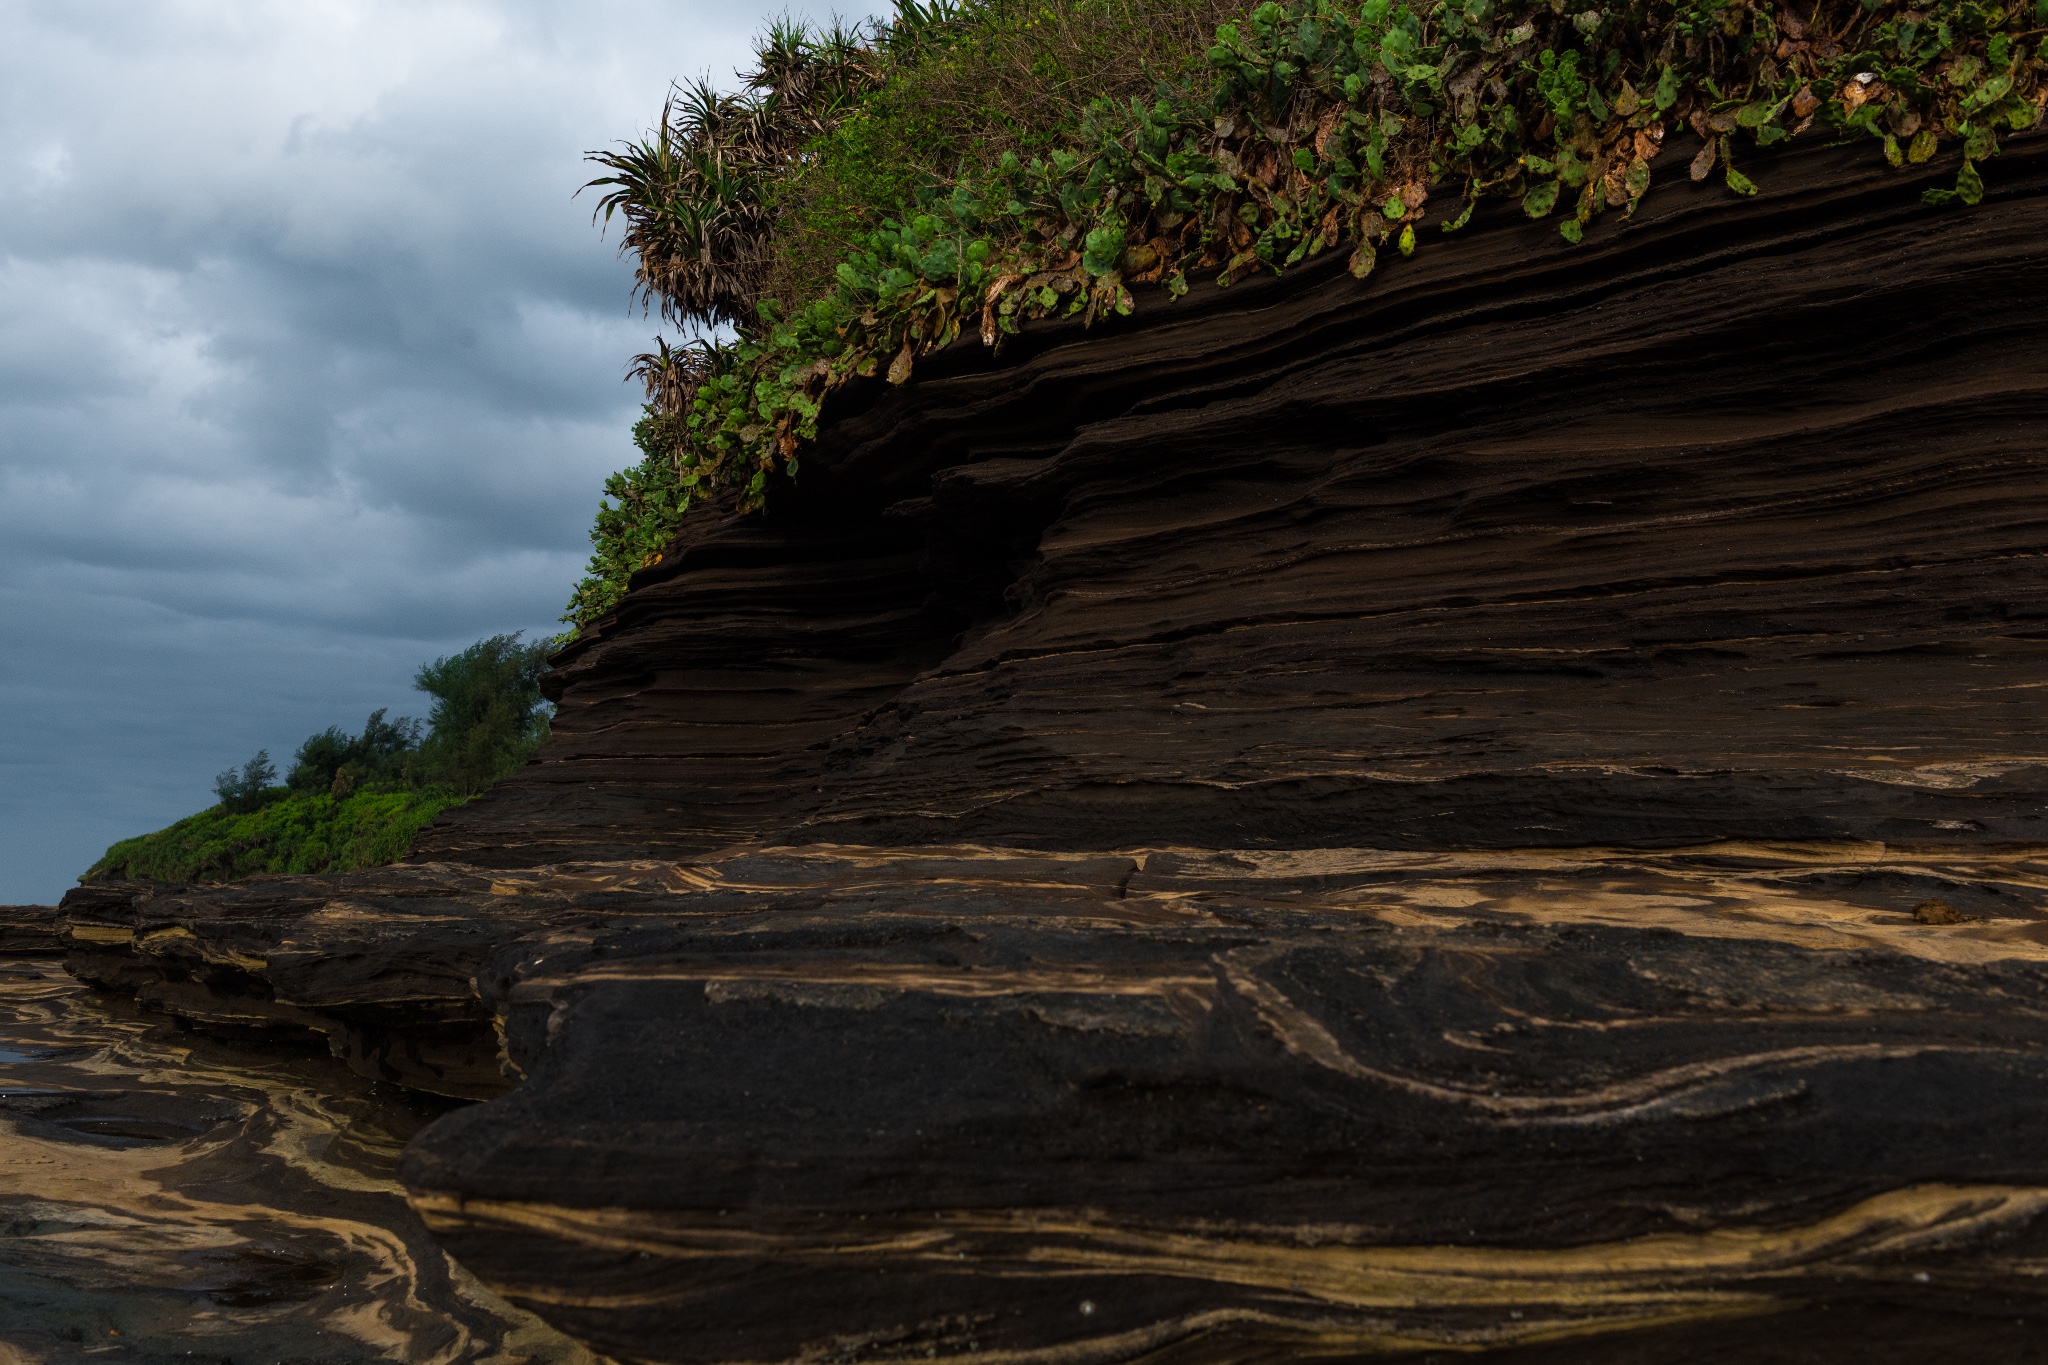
(309, 368)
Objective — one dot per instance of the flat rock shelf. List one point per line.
(831, 1102)
(1328, 820)
(165, 1196)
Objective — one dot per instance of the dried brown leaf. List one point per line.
(1614, 184)
(1325, 128)
(1860, 89)
(988, 307)
(1162, 255)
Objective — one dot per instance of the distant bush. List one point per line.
(337, 762)
(357, 800)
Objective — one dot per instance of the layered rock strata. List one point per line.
(1330, 819)
(1728, 523)
(29, 930)
(165, 1198)
(834, 1103)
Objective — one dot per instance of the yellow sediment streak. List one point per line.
(1341, 1294)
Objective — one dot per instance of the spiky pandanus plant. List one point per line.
(670, 375)
(690, 195)
(694, 194)
(695, 199)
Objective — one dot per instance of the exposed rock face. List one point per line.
(168, 1198)
(26, 930)
(1333, 819)
(1727, 524)
(813, 1103)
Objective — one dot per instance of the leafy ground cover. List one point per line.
(292, 832)
(870, 197)
(358, 800)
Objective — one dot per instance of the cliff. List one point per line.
(1497, 805)
(1725, 525)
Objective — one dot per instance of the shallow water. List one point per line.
(167, 1197)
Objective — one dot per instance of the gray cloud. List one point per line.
(309, 368)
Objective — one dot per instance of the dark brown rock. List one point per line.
(29, 930)
(870, 1102)
(168, 1198)
(386, 989)
(842, 1102)
(1327, 820)
(1726, 524)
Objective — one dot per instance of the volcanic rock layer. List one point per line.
(1729, 523)
(1497, 806)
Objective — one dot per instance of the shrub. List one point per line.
(337, 762)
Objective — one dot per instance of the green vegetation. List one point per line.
(291, 832)
(358, 800)
(337, 762)
(488, 714)
(868, 197)
(243, 791)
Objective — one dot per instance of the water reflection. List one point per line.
(164, 1195)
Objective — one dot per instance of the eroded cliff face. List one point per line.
(1501, 804)
(1727, 524)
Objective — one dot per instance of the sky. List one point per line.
(310, 368)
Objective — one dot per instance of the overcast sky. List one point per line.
(309, 368)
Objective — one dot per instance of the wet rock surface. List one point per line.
(1239, 1103)
(27, 930)
(1327, 821)
(163, 1197)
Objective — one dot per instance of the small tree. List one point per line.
(489, 715)
(338, 762)
(319, 759)
(244, 791)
